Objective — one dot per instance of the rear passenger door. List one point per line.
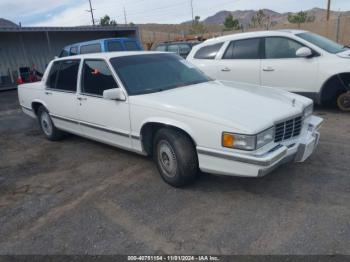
(102, 119)
(61, 94)
(205, 59)
(241, 61)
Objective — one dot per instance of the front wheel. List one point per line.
(47, 126)
(343, 102)
(175, 157)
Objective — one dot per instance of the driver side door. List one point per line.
(102, 119)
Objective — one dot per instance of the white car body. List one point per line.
(316, 77)
(203, 111)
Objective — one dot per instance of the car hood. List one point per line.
(345, 54)
(245, 108)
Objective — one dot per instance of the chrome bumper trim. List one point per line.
(254, 160)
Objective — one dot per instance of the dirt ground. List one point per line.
(81, 197)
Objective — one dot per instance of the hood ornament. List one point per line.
(293, 102)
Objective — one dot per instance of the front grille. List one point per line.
(288, 129)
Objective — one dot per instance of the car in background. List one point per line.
(158, 104)
(102, 46)
(180, 48)
(293, 60)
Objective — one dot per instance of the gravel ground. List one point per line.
(81, 197)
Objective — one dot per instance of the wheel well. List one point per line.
(333, 87)
(150, 129)
(35, 106)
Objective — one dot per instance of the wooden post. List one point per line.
(328, 9)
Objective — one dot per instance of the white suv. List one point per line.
(293, 60)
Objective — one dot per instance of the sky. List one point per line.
(73, 12)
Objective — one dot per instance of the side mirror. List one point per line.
(304, 52)
(114, 94)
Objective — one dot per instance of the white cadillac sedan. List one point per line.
(157, 104)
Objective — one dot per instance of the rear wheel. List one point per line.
(175, 157)
(47, 126)
(343, 102)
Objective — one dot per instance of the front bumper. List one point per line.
(257, 165)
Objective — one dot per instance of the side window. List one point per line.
(160, 48)
(179, 48)
(280, 47)
(88, 49)
(64, 53)
(208, 52)
(96, 77)
(68, 75)
(131, 46)
(114, 46)
(73, 50)
(52, 79)
(243, 49)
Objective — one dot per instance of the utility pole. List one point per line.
(92, 13)
(192, 11)
(328, 9)
(126, 22)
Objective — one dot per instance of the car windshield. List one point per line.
(150, 73)
(323, 42)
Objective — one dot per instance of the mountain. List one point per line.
(7, 23)
(245, 16)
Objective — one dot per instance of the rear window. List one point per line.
(68, 75)
(88, 49)
(73, 50)
(243, 49)
(179, 48)
(208, 52)
(160, 48)
(131, 46)
(51, 81)
(114, 46)
(64, 53)
(63, 75)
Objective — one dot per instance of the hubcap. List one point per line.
(345, 101)
(167, 158)
(46, 123)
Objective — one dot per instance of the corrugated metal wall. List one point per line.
(20, 49)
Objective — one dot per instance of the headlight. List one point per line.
(247, 142)
(238, 141)
(308, 110)
(265, 137)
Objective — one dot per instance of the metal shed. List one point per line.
(36, 46)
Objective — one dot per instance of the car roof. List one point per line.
(284, 32)
(101, 40)
(178, 42)
(109, 55)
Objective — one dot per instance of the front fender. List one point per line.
(170, 122)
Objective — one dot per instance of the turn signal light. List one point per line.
(228, 140)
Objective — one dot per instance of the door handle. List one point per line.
(48, 93)
(226, 69)
(268, 69)
(82, 98)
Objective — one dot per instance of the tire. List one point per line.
(47, 126)
(175, 157)
(343, 102)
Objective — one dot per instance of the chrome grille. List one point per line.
(288, 129)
